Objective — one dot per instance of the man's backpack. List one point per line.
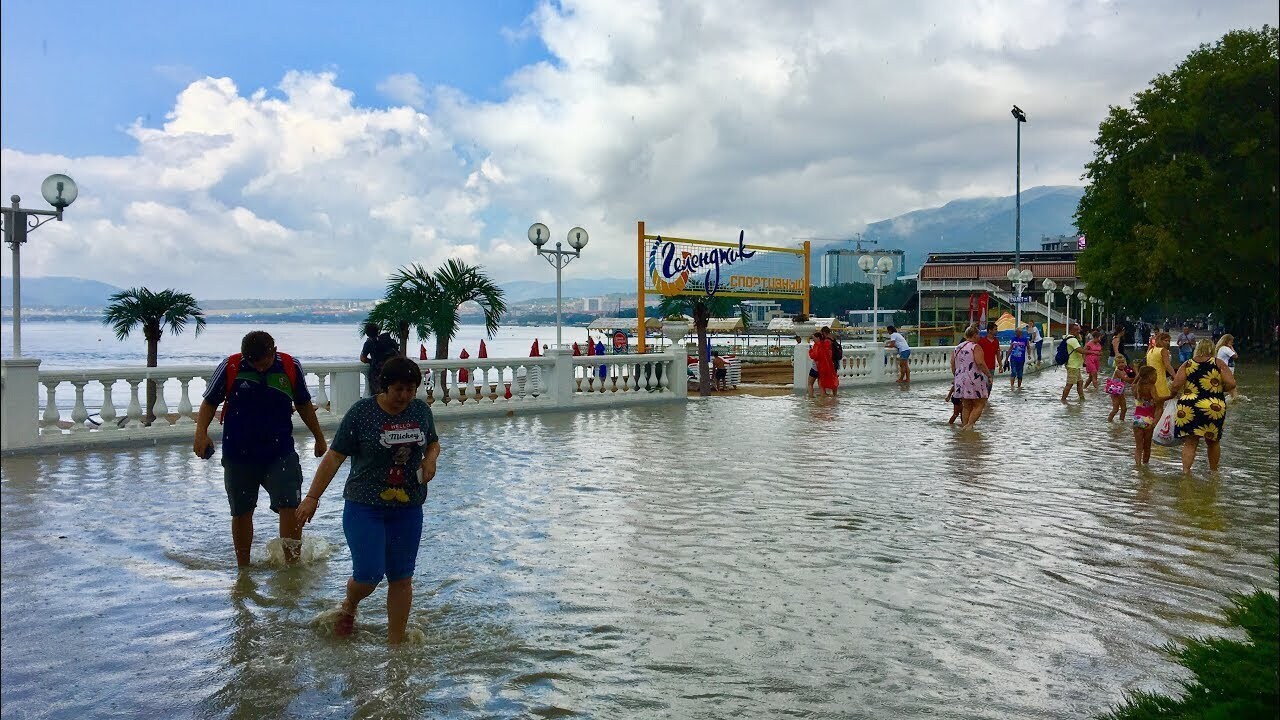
(1060, 355)
(837, 352)
(233, 369)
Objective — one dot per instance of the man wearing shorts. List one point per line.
(1075, 364)
(720, 371)
(1017, 357)
(257, 437)
(899, 345)
(991, 353)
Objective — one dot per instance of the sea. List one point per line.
(73, 345)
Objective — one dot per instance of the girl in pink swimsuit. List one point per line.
(1144, 414)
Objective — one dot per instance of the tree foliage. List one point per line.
(1181, 206)
(151, 312)
(430, 302)
(837, 300)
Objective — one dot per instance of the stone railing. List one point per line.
(80, 408)
(876, 365)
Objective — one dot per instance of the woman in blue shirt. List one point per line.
(391, 438)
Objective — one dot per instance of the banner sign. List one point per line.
(680, 266)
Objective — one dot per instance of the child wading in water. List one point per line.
(1144, 414)
(1121, 378)
(957, 405)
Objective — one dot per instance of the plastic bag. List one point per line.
(1163, 434)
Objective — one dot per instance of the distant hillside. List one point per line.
(525, 290)
(972, 224)
(55, 291)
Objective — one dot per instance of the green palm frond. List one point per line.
(151, 311)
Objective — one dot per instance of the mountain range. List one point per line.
(970, 224)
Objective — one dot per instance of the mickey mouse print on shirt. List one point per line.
(401, 438)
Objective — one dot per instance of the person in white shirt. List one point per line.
(1227, 354)
(1033, 332)
(899, 343)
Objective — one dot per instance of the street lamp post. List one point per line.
(1049, 287)
(1067, 291)
(539, 234)
(1020, 279)
(1019, 118)
(59, 191)
(1084, 300)
(877, 269)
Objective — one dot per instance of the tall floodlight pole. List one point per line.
(539, 234)
(59, 191)
(1019, 118)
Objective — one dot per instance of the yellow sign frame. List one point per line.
(641, 237)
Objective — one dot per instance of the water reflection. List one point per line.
(741, 556)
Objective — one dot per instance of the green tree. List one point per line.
(403, 309)
(837, 300)
(443, 292)
(701, 308)
(151, 311)
(1181, 206)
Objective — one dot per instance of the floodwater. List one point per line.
(741, 557)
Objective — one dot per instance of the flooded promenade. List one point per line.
(740, 556)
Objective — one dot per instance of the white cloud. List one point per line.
(404, 88)
(702, 119)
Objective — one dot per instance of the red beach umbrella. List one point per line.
(591, 348)
(576, 350)
(484, 352)
(422, 351)
(534, 351)
(462, 372)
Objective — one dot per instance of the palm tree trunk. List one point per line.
(704, 381)
(153, 357)
(442, 346)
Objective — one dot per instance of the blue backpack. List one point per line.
(1060, 355)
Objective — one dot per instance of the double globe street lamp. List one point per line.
(1068, 291)
(59, 191)
(1020, 279)
(1049, 286)
(539, 234)
(876, 269)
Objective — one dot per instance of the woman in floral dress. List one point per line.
(972, 373)
(1201, 385)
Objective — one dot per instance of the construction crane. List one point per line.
(856, 240)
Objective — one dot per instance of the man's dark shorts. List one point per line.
(722, 373)
(281, 477)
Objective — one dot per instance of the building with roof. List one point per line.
(948, 282)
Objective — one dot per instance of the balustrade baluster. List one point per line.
(161, 408)
(78, 412)
(322, 396)
(134, 413)
(108, 412)
(185, 416)
(51, 415)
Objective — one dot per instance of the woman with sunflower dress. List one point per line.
(1201, 385)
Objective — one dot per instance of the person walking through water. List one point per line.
(260, 388)
(1038, 341)
(1200, 385)
(899, 345)
(378, 348)
(1226, 352)
(1145, 415)
(391, 438)
(820, 353)
(1186, 344)
(1093, 359)
(1075, 363)
(1121, 378)
(991, 354)
(1158, 358)
(1017, 357)
(971, 378)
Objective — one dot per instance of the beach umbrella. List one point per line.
(484, 352)
(591, 348)
(422, 351)
(533, 351)
(576, 350)
(462, 372)
(600, 351)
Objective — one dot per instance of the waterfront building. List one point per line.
(949, 282)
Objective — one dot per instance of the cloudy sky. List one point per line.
(298, 149)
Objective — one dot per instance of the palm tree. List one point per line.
(448, 288)
(402, 310)
(701, 308)
(152, 311)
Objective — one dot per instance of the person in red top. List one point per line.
(991, 351)
(820, 353)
